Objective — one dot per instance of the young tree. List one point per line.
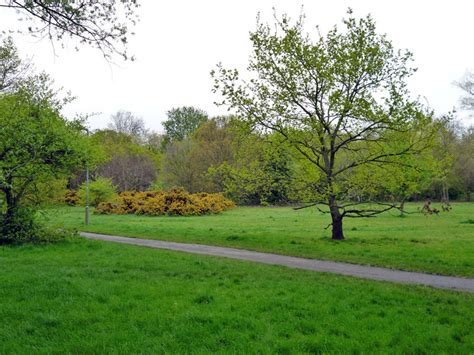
(101, 24)
(333, 100)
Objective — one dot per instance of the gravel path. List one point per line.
(365, 272)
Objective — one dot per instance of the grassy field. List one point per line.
(95, 297)
(441, 244)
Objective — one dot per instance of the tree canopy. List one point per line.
(182, 122)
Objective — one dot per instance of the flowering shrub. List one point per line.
(176, 202)
(71, 198)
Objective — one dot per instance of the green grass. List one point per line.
(441, 244)
(96, 297)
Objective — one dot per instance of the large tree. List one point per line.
(36, 145)
(102, 24)
(334, 100)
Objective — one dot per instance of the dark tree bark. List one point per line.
(337, 233)
(402, 207)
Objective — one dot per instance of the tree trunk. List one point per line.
(11, 203)
(337, 233)
(402, 208)
(9, 215)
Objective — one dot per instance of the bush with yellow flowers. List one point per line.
(176, 202)
(71, 198)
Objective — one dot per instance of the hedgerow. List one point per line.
(176, 202)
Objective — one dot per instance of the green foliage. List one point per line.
(37, 145)
(179, 169)
(186, 163)
(182, 122)
(464, 165)
(100, 190)
(407, 174)
(259, 173)
(47, 193)
(341, 101)
(130, 164)
(23, 227)
(176, 202)
(11, 66)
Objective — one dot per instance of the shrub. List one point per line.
(71, 198)
(100, 190)
(23, 227)
(176, 202)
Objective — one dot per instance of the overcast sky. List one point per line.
(177, 44)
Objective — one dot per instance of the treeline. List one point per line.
(224, 154)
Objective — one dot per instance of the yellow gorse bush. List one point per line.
(176, 202)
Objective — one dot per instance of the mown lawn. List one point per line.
(441, 244)
(87, 296)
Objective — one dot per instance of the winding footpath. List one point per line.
(334, 267)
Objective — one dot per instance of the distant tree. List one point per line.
(467, 85)
(125, 122)
(186, 163)
(464, 163)
(182, 122)
(130, 171)
(154, 142)
(259, 171)
(213, 141)
(444, 154)
(212, 145)
(334, 101)
(129, 165)
(101, 24)
(178, 167)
